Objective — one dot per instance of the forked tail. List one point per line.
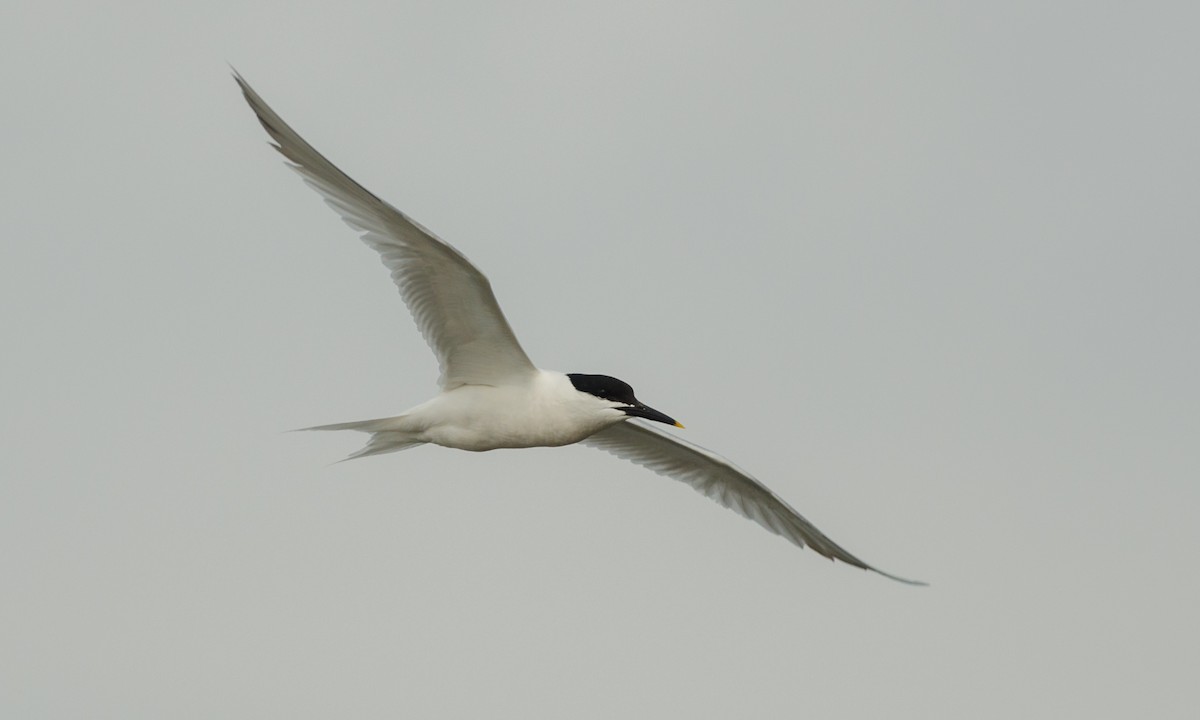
(386, 436)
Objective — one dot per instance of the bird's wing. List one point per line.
(721, 480)
(450, 299)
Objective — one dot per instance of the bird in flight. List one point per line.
(492, 394)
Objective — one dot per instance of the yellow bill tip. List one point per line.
(679, 425)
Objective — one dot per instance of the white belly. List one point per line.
(547, 413)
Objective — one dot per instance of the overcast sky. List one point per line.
(928, 270)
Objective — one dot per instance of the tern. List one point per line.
(492, 394)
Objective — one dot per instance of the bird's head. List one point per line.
(617, 395)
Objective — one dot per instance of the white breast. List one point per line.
(547, 412)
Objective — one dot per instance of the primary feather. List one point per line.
(450, 299)
(717, 478)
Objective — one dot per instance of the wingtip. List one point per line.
(897, 578)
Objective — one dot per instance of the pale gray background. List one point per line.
(929, 270)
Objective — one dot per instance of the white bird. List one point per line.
(492, 395)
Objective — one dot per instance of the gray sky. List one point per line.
(929, 271)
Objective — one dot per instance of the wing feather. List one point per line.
(717, 478)
(449, 298)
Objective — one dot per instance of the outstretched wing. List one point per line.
(720, 480)
(450, 299)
